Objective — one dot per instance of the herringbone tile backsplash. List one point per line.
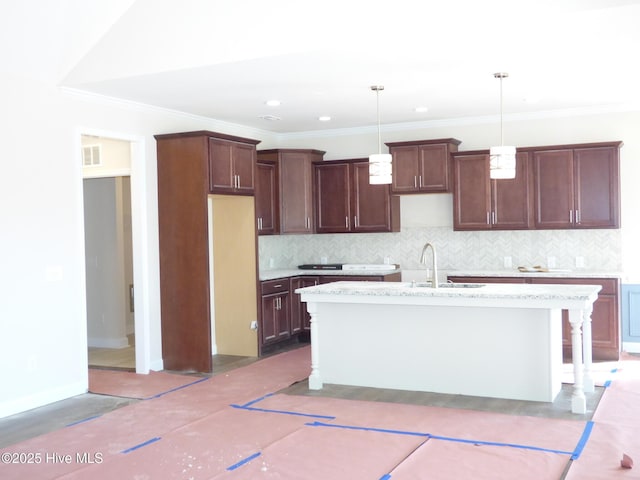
(600, 249)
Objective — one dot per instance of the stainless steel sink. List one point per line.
(447, 285)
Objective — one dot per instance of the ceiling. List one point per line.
(225, 58)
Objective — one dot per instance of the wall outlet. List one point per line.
(579, 262)
(254, 325)
(508, 263)
(387, 260)
(324, 260)
(551, 262)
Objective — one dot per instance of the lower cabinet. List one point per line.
(284, 317)
(605, 318)
(275, 320)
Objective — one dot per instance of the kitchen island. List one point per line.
(501, 340)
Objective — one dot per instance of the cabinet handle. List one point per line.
(355, 221)
(346, 222)
(493, 218)
(570, 216)
(259, 226)
(308, 222)
(420, 181)
(277, 286)
(415, 181)
(577, 216)
(488, 221)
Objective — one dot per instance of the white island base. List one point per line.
(475, 342)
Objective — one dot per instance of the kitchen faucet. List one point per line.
(423, 259)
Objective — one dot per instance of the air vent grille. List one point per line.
(91, 155)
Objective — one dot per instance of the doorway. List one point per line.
(114, 182)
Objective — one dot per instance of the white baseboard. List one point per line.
(40, 399)
(631, 347)
(122, 342)
(157, 365)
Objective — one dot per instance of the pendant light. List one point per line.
(379, 163)
(502, 159)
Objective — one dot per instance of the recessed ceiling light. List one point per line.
(273, 103)
(324, 118)
(421, 109)
(270, 118)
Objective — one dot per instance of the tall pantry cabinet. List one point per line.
(208, 251)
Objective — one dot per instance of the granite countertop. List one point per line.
(558, 273)
(295, 272)
(487, 291)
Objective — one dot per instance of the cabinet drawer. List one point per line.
(270, 287)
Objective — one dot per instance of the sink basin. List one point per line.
(448, 285)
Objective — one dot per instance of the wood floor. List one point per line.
(120, 358)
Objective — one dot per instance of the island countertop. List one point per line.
(399, 292)
(295, 272)
(550, 273)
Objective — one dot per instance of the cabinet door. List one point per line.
(300, 318)
(244, 160)
(371, 203)
(511, 198)
(275, 318)
(434, 168)
(267, 198)
(221, 176)
(333, 194)
(472, 193)
(296, 193)
(405, 167)
(597, 181)
(553, 188)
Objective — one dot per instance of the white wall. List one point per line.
(43, 340)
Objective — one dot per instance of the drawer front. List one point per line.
(270, 287)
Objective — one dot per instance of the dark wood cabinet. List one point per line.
(300, 318)
(422, 166)
(390, 277)
(184, 164)
(231, 166)
(294, 188)
(577, 186)
(266, 192)
(275, 323)
(481, 203)
(346, 202)
(605, 318)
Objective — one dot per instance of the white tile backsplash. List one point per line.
(485, 250)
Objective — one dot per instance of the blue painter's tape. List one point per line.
(258, 399)
(369, 429)
(438, 437)
(583, 440)
(614, 370)
(283, 412)
(386, 477)
(607, 384)
(140, 445)
(83, 420)
(177, 388)
(242, 462)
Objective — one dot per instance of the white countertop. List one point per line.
(551, 273)
(521, 295)
(294, 272)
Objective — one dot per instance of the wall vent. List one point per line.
(91, 155)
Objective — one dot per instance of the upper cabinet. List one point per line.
(267, 204)
(577, 186)
(346, 202)
(422, 166)
(231, 166)
(556, 187)
(293, 194)
(480, 203)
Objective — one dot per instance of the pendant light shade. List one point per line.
(379, 163)
(502, 159)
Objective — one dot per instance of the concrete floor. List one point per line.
(51, 417)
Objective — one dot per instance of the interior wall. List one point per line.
(43, 346)
(105, 263)
(235, 259)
